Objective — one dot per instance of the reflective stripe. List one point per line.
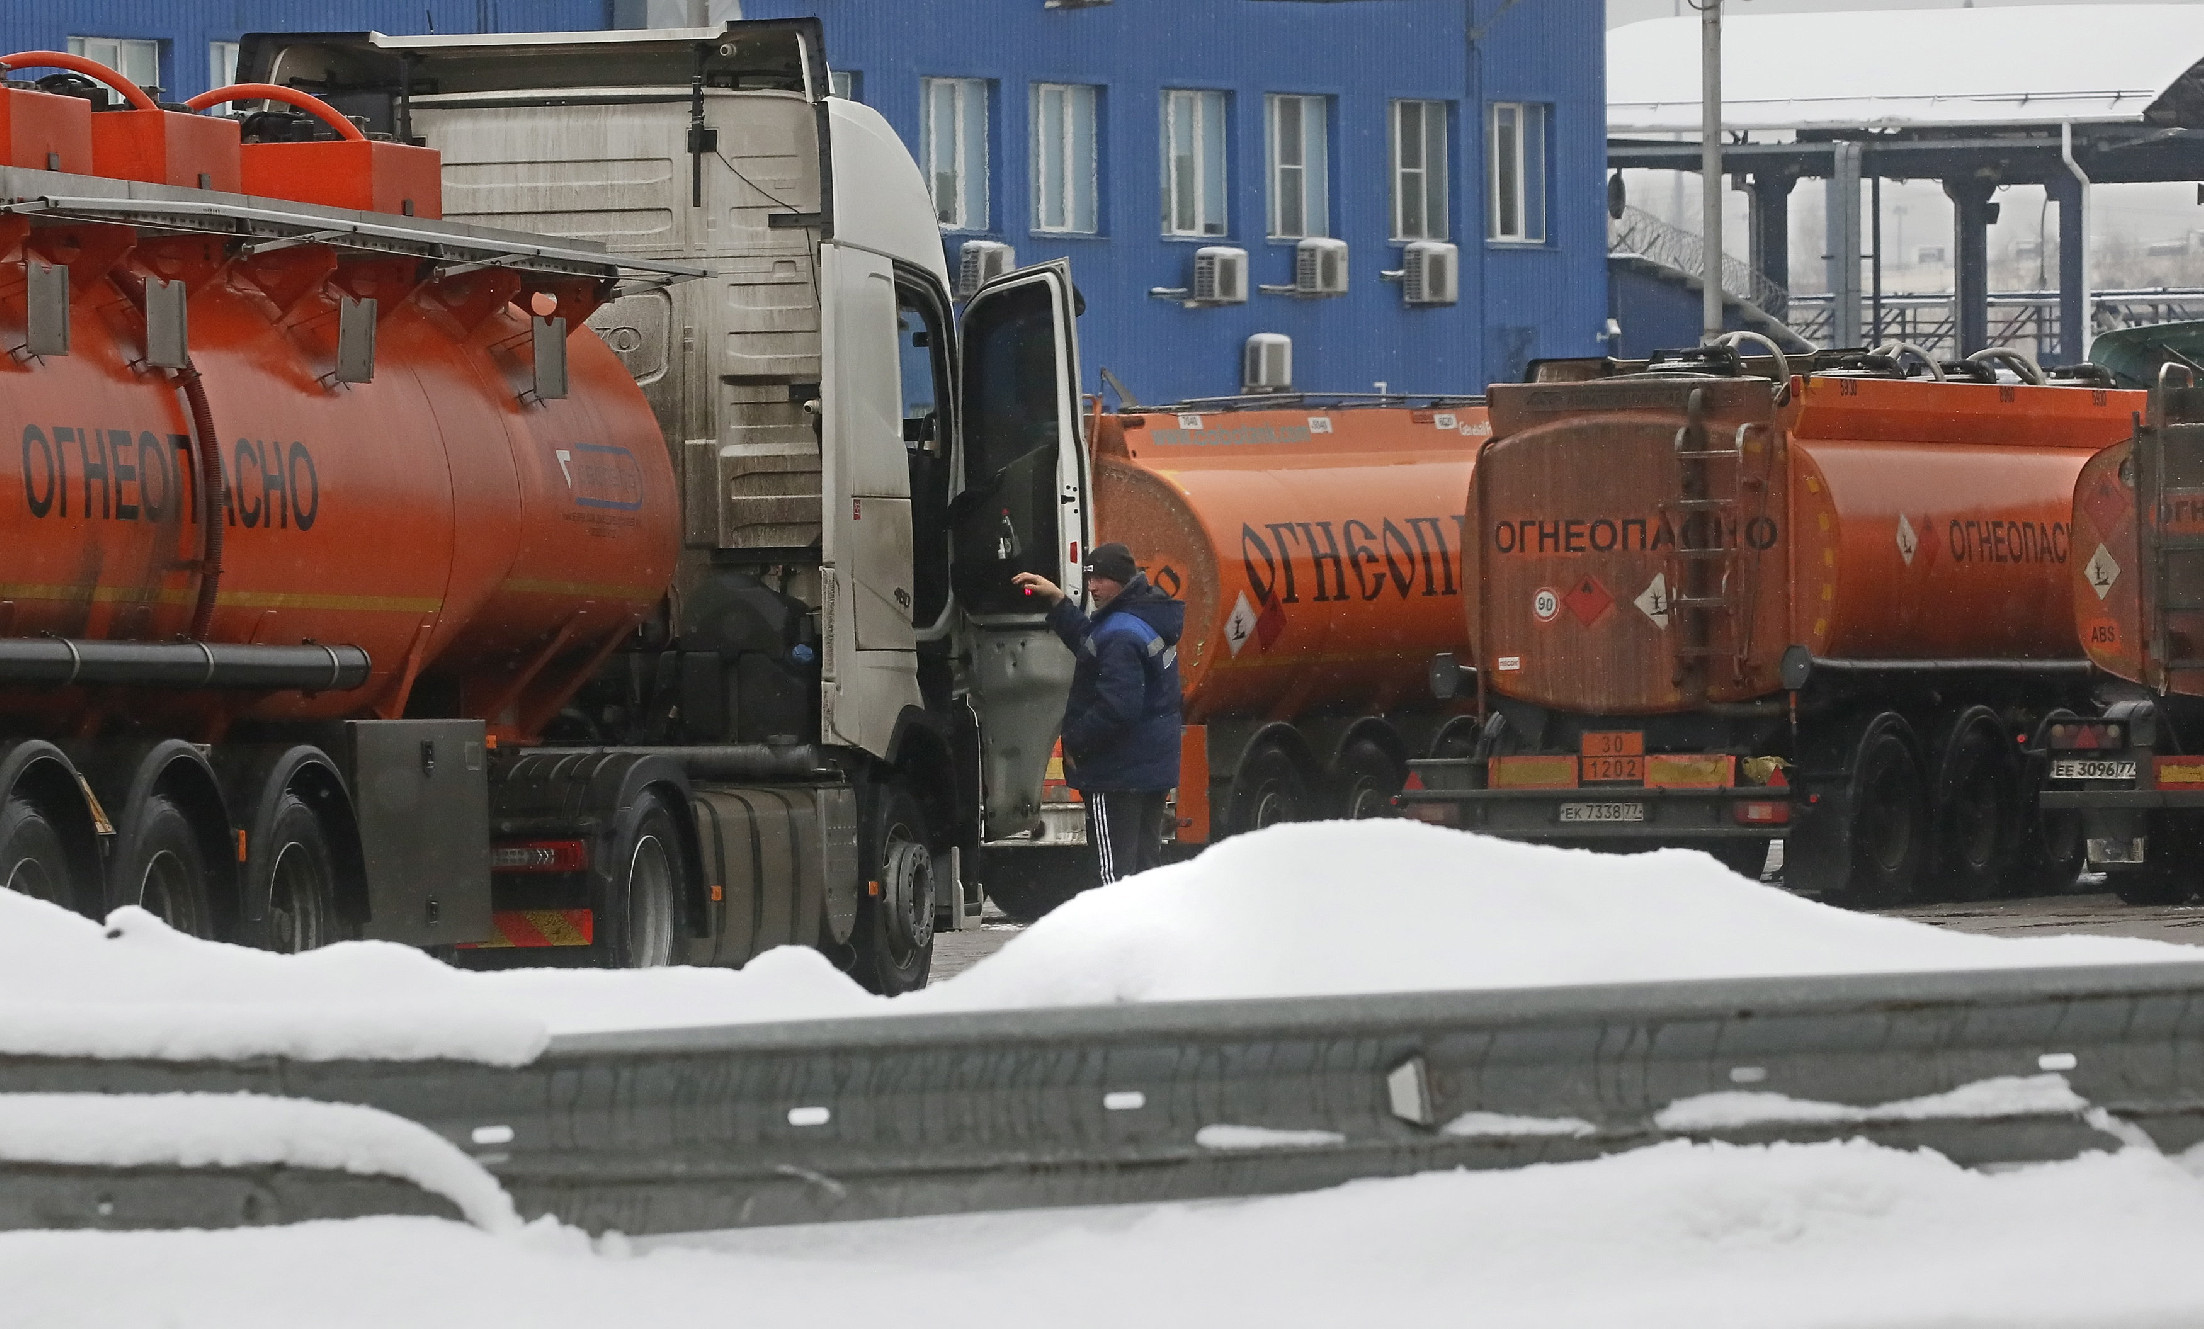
(1105, 851)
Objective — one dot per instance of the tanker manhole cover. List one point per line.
(1588, 600)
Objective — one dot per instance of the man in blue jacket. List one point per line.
(1121, 724)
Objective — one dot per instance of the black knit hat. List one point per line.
(1112, 562)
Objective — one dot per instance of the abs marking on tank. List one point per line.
(126, 475)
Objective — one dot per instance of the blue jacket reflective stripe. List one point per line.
(1121, 722)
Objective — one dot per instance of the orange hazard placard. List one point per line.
(1612, 770)
(1613, 743)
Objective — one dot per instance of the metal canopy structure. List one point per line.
(2059, 97)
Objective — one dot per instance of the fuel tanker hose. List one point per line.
(207, 445)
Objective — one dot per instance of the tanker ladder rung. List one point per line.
(1702, 603)
(2182, 608)
(1717, 452)
(1706, 652)
(2176, 544)
(1700, 504)
(1693, 551)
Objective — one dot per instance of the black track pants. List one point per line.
(1126, 829)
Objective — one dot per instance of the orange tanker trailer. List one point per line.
(1715, 605)
(2130, 769)
(1316, 547)
(271, 472)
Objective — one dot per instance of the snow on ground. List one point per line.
(1380, 906)
(1704, 1236)
(248, 1130)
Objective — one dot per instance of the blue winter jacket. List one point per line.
(1121, 725)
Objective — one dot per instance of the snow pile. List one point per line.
(1399, 906)
(2004, 1096)
(1678, 1236)
(247, 1130)
(1329, 908)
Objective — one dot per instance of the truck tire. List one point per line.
(894, 939)
(1976, 801)
(1875, 845)
(34, 859)
(1368, 779)
(166, 874)
(639, 893)
(1026, 884)
(1270, 789)
(297, 877)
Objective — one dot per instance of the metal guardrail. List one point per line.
(2026, 320)
(867, 1118)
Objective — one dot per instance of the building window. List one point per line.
(954, 128)
(1193, 162)
(136, 59)
(1300, 204)
(844, 83)
(1518, 181)
(221, 64)
(1064, 161)
(1419, 171)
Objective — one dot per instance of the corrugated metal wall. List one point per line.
(187, 28)
(1517, 301)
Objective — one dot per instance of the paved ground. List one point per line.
(2102, 915)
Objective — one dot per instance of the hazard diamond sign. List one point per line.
(1588, 600)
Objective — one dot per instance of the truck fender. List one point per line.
(125, 776)
(40, 771)
(255, 780)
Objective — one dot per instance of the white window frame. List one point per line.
(1516, 134)
(1066, 159)
(1194, 136)
(1300, 164)
(221, 64)
(1420, 186)
(135, 58)
(956, 160)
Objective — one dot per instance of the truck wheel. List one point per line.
(640, 897)
(1867, 840)
(1889, 817)
(298, 879)
(894, 940)
(34, 860)
(1270, 790)
(1976, 804)
(167, 874)
(1368, 779)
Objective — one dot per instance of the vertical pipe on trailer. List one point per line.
(2076, 328)
(1875, 209)
(1710, 166)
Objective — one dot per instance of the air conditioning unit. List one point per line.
(1220, 275)
(1320, 266)
(1431, 273)
(1266, 363)
(980, 262)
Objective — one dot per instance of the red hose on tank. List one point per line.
(208, 447)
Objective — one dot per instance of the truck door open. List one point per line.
(1022, 508)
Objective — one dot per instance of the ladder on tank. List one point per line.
(1706, 584)
(2169, 461)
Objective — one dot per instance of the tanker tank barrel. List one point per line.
(62, 662)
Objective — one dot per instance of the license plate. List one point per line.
(2083, 768)
(1603, 812)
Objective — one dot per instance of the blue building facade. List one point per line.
(1126, 135)
(1532, 283)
